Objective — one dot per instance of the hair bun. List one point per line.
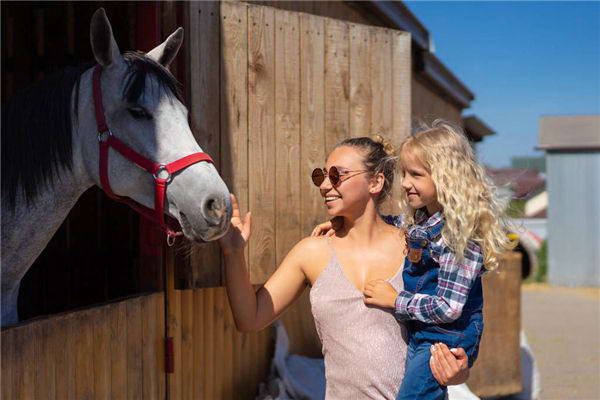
(389, 149)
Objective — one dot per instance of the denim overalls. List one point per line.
(421, 277)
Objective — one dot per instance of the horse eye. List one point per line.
(139, 113)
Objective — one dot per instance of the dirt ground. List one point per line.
(563, 330)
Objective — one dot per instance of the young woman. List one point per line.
(364, 346)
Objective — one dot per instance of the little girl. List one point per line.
(454, 227)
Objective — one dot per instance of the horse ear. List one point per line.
(104, 46)
(166, 52)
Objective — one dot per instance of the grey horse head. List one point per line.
(144, 110)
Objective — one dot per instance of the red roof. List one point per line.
(523, 182)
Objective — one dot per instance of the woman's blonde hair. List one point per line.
(471, 208)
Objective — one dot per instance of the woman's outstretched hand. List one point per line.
(239, 231)
(449, 367)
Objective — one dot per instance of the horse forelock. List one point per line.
(36, 134)
(139, 67)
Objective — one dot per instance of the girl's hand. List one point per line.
(380, 293)
(328, 228)
(449, 367)
(239, 231)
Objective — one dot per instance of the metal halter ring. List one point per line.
(160, 169)
(103, 136)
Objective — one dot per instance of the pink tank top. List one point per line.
(364, 346)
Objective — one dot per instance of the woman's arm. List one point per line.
(254, 310)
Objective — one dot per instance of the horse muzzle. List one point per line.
(210, 223)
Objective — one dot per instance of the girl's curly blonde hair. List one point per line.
(471, 208)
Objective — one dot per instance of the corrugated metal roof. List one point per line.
(570, 132)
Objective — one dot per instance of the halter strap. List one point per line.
(106, 140)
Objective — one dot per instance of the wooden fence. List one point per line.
(115, 351)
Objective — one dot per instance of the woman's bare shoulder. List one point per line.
(313, 254)
(312, 245)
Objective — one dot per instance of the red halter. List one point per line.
(162, 173)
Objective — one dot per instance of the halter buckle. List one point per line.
(161, 170)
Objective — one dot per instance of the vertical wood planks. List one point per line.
(101, 353)
(174, 316)
(83, 331)
(203, 64)
(229, 340)
(153, 344)
(63, 351)
(8, 363)
(44, 364)
(401, 102)
(134, 349)
(337, 82)
(287, 132)
(25, 348)
(497, 371)
(186, 348)
(261, 145)
(382, 102)
(208, 345)
(360, 80)
(94, 353)
(381, 87)
(200, 365)
(218, 343)
(234, 101)
(312, 118)
(401, 84)
(118, 349)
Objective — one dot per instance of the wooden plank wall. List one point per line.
(290, 86)
(115, 351)
(212, 359)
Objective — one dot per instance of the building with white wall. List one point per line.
(572, 145)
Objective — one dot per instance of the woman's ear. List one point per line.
(376, 184)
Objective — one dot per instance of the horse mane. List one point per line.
(37, 127)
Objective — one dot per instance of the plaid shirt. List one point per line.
(455, 277)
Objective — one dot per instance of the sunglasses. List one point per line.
(335, 176)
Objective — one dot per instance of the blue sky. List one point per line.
(522, 60)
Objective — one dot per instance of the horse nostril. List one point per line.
(210, 204)
(214, 210)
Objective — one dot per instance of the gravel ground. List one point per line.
(563, 330)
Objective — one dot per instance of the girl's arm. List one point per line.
(254, 310)
(455, 280)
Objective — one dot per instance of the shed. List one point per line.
(572, 146)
